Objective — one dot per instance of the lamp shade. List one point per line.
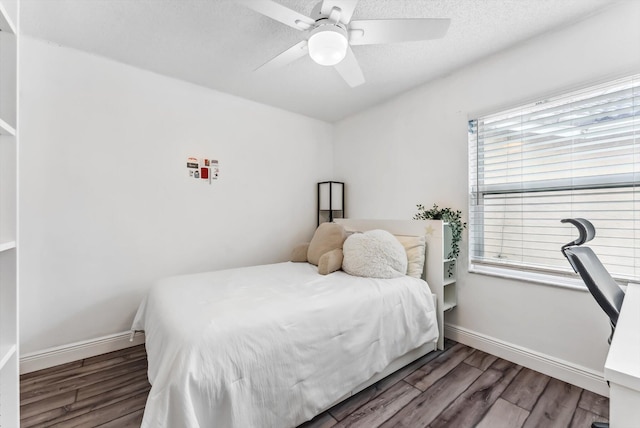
(328, 45)
(330, 200)
(331, 196)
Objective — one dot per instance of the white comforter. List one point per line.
(273, 345)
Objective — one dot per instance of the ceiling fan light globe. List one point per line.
(328, 45)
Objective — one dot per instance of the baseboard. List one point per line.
(564, 370)
(78, 351)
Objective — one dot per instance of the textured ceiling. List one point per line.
(218, 43)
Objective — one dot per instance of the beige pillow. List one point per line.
(299, 253)
(415, 249)
(330, 262)
(327, 237)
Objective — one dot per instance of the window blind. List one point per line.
(574, 155)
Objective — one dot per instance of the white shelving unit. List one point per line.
(442, 284)
(9, 378)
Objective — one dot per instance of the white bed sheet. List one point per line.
(272, 345)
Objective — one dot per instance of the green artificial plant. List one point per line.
(454, 218)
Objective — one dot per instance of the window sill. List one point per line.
(534, 277)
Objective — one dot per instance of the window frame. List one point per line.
(564, 277)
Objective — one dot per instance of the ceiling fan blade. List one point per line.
(279, 13)
(346, 7)
(372, 32)
(293, 53)
(350, 70)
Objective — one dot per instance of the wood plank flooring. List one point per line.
(458, 387)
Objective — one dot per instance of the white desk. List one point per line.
(622, 368)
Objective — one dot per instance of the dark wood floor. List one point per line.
(459, 387)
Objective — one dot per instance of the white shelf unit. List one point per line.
(439, 238)
(9, 347)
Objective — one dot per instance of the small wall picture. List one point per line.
(215, 169)
(192, 167)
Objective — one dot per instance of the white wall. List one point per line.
(105, 203)
(413, 149)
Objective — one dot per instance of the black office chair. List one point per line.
(602, 286)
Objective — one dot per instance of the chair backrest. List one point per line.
(585, 263)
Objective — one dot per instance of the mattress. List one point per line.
(272, 345)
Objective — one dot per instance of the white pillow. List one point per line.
(375, 254)
(415, 247)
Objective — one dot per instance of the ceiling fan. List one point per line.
(330, 33)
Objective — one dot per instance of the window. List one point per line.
(575, 155)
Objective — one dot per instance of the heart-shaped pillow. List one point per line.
(375, 253)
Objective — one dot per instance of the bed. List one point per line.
(275, 345)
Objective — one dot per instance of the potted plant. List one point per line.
(454, 218)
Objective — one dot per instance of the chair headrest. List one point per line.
(585, 228)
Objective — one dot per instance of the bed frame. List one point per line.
(407, 228)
